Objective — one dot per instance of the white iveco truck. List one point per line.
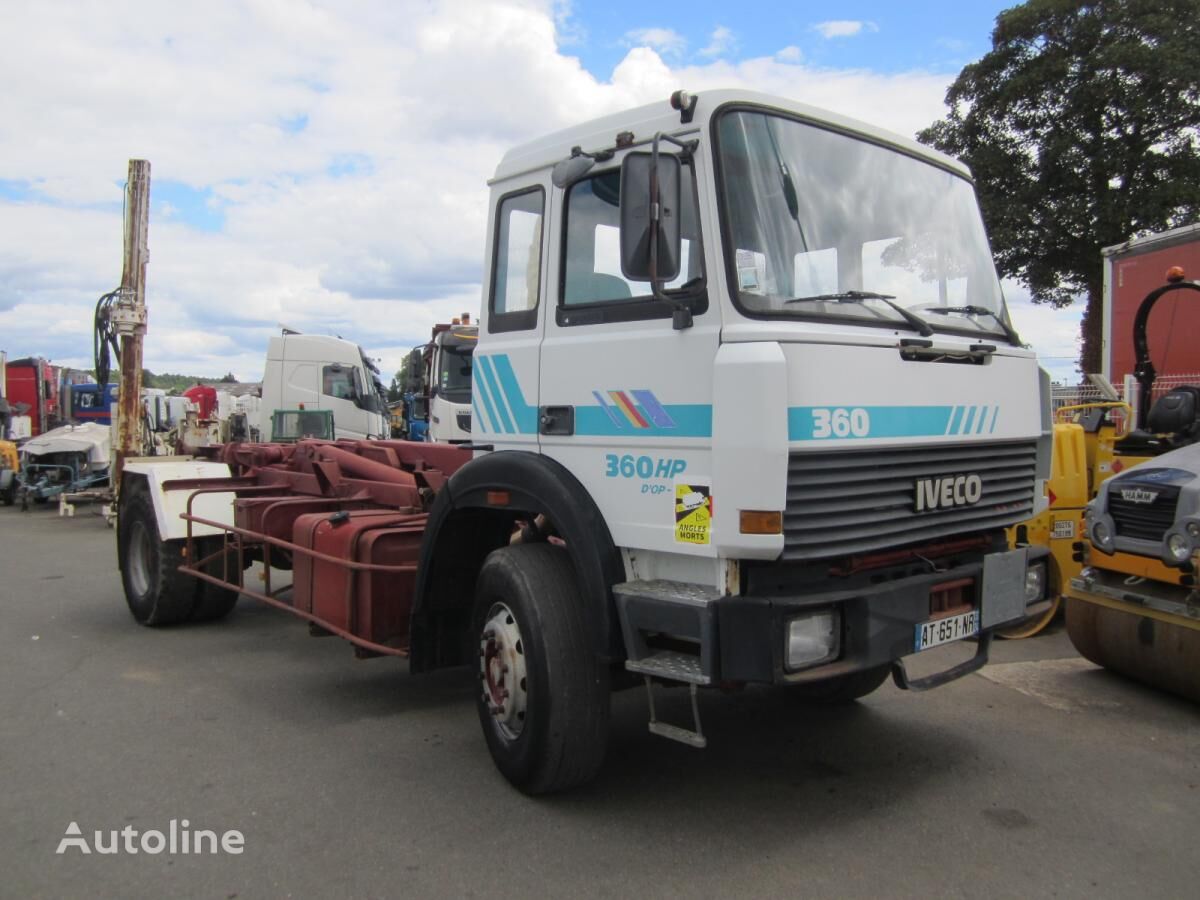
(746, 407)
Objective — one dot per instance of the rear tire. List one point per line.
(211, 601)
(842, 688)
(544, 694)
(155, 590)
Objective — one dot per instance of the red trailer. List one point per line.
(1131, 271)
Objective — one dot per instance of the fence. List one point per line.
(1071, 394)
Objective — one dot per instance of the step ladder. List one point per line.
(683, 612)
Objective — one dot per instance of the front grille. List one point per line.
(854, 501)
(1143, 521)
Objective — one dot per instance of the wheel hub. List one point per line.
(502, 672)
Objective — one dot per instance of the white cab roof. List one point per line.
(645, 121)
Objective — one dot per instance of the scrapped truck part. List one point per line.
(717, 437)
(64, 460)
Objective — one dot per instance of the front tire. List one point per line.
(155, 590)
(544, 694)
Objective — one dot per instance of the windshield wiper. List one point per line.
(1009, 331)
(859, 296)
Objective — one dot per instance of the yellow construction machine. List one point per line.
(1092, 443)
(1133, 607)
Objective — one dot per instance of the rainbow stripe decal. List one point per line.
(646, 413)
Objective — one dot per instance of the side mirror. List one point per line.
(650, 227)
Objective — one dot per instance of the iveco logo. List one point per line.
(948, 491)
(1138, 495)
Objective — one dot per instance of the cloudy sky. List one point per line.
(323, 164)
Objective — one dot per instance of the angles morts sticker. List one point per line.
(693, 513)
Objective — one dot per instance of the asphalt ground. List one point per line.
(1043, 776)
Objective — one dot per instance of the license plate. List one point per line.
(943, 631)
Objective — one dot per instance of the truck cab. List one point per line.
(314, 371)
(449, 382)
(826, 360)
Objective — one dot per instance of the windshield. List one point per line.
(374, 398)
(454, 379)
(813, 216)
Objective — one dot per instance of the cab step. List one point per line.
(653, 612)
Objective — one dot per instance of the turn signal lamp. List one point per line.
(760, 521)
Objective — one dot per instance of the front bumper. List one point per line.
(877, 622)
(744, 638)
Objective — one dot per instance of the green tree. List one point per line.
(1080, 126)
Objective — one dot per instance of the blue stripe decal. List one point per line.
(526, 416)
(885, 422)
(995, 416)
(689, 420)
(487, 404)
(484, 364)
(477, 422)
(652, 410)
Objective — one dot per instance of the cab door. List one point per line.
(505, 371)
(626, 398)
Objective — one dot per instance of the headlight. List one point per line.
(1035, 583)
(813, 638)
(1101, 534)
(1178, 548)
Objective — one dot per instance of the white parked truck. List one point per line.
(318, 371)
(449, 356)
(746, 407)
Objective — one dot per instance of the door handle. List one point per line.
(559, 420)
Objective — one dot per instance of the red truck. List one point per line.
(35, 390)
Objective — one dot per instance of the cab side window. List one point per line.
(592, 247)
(338, 382)
(517, 262)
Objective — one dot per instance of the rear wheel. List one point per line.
(544, 695)
(213, 602)
(156, 591)
(843, 688)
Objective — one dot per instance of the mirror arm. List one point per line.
(681, 311)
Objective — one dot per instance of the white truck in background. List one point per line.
(317, 371)
(449, 355)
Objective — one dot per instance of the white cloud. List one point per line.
(789, 54)
(346, 146)
(664, 40)
(721, 41)
(836, 28)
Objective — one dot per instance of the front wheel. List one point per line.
(544, 694)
